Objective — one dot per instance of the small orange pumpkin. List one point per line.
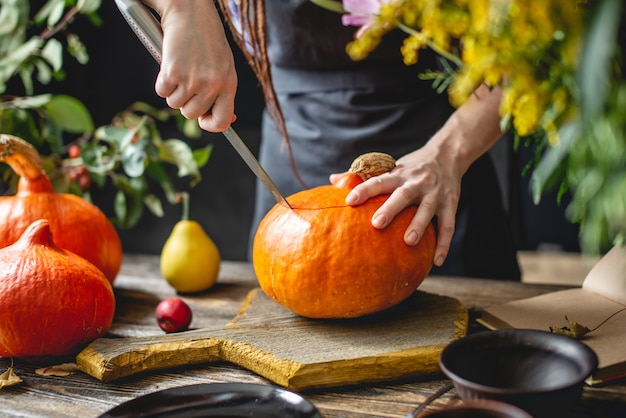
(324, 259)
(78, 226)
(53, 302)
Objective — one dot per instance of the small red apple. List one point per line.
(173, 315)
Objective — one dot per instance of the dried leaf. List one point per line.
(9, 378)
(62, 370)
(573, 329)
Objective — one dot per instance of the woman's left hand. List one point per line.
(430, 177)
(425, 178)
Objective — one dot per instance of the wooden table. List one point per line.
(140, 287)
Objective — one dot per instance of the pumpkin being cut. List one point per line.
(78, 226)
(53, 302)
(324, 259)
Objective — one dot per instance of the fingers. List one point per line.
(214, 108)
(398, 200)
(385, 183)
(422, 218)
(190, 104)
(432, 199)
(220, 115)
(163, 86)
(446, 221)
(197, 74)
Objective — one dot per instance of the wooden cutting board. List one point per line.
(295, 352)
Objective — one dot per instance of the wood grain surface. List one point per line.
(140, 287)
(295, 352)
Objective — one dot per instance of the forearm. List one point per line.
(430, 177)
(195, 14)
(472, 129)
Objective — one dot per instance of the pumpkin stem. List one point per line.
(37, 233)
(372, 164)
(21, 156)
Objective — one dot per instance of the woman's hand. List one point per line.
(197, 73)
(427, 178)
(430, 177)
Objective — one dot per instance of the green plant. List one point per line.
(129, 153)
(560, 64)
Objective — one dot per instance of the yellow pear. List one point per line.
(190, 260)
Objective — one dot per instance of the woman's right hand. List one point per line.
(197, 73)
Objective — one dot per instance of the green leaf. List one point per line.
(69, 113)
(598, 50)
(77, 49)
(26, 75)
(191, 129)
(158, 173)
(202, 155)
(31, 102)
(44, 75)
(180, 154)
(9, 18)
(114, 135)
(552, 160)
(154, 205)
(129, 201)
(119, 205)
(88, 6)
(11, 62)
(138, 189)
(133, 160)
(51, 12)
(56, 12)
(98, 158)
(53, 53)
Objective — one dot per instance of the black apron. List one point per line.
(336, 109)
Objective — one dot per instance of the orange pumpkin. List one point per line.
(78, 226)
(323, 258)
(53, 302)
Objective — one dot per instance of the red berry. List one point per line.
(84, 182)
(173, 315)
(81, 170)
(74, 151)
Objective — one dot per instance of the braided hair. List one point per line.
(246, 21)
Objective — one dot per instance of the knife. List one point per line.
(148, 30)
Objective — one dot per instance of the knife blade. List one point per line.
(148, 30)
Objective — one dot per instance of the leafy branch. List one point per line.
(560, 65)
(129, 153)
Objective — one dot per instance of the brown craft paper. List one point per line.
(603, 293)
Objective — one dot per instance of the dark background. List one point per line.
(121, 71)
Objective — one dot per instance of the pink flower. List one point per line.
(361, 13)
